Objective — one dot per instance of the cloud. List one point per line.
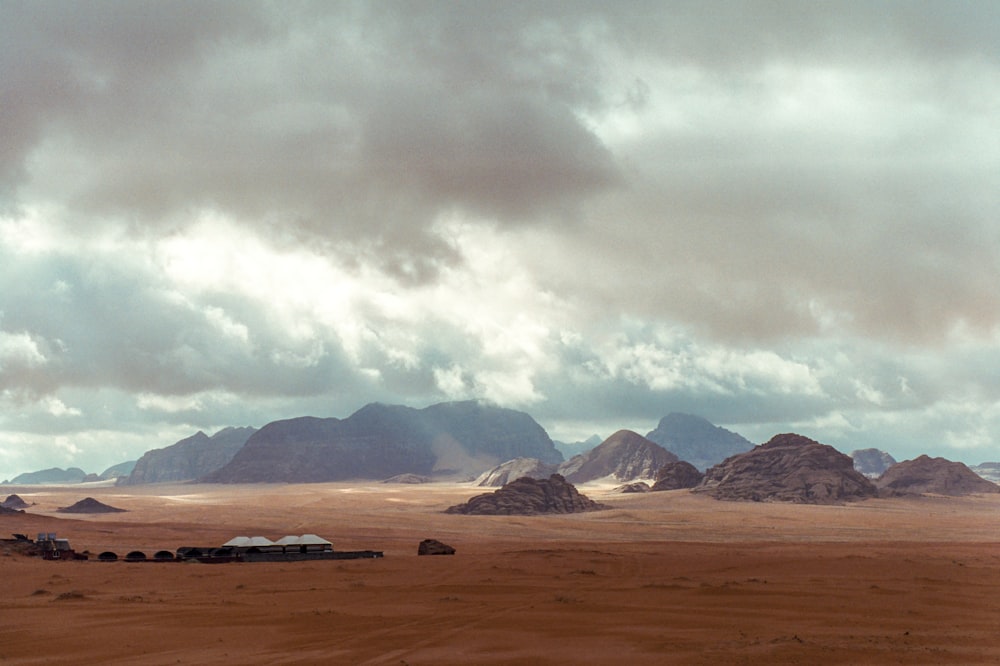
(775, 215)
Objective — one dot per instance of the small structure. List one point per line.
(53, 548)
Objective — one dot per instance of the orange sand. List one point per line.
(661, 578)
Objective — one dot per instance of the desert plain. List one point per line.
(659, 578)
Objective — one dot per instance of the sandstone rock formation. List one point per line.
(380, 441)
(630, 488)
(14, 502)
(515, 469)
(89, 505)
(624, 456)
(872, 462)
(188, 459)
(932, 475)
(788, 468)
(434, 547)
(696, 440)
(677, 475)
(528, 497)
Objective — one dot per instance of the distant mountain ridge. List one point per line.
(380, 441)
(189, 458)
(50, 475)
(696, 440)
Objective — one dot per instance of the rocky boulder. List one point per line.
(515, 469)
(932, 475)
(872, 462)
(788, 468)
(697, 440)
(624, 456)
(677, 475)
(434, 547)
(529, 497)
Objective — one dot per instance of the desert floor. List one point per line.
(660, 578)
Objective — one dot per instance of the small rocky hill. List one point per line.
(14, 502)
(55, 475)
(515, 469)
(677, 475)
(932, 475)
(89, 505)
(788, 468)
(624, 456)
(380, 441)
(872, 462)
(529, 497)
(188, 459)
(697, 440)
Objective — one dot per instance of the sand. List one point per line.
(661, 578)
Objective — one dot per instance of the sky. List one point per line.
(780, 216)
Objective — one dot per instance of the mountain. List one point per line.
(380, 441)
(932, 475)
(624, 456)
(51, 475)
(515, 469)
(529, 497)
(872, 462)
(788, 468)
(570, 449)
(696, 440)
(188, 459)
(115, 471)
(988, 470)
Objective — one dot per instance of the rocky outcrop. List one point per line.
(55, 475)
(14, 502)
(631, 488)
(529, 497)
(872, 462)
(932, 476)
(515, 469)
(677, 475)
(697, 440)
(89, 505)
(625, 456)
(434, 547)
(188, 459)
(380, 441)
(788, 468)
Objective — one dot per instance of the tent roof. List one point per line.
(304, 540)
